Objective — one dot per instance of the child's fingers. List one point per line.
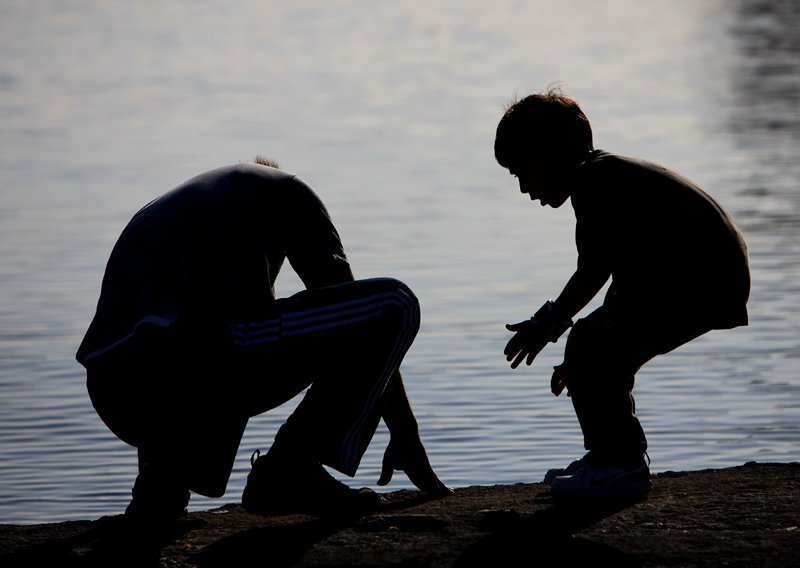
(517, 326)
(559, 380)
(513, 346)
(520, 357)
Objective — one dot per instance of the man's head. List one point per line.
(540, 140)
(263, 161)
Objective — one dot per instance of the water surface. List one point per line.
(389, 111)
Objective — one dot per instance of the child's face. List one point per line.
(541, 179)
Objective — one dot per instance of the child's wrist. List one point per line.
(552, 321)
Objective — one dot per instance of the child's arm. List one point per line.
(554, 318)
(579, 290)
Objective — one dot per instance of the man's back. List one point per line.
(208, 250)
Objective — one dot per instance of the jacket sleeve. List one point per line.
(314, 248)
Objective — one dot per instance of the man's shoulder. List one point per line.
(244, 170)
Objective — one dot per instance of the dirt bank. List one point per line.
(742, 516)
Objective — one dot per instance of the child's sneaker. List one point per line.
(604, 481)
(571, 469)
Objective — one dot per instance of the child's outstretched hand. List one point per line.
(527, 342)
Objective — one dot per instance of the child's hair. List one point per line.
(547, 123)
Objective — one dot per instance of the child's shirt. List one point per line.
(672, 251)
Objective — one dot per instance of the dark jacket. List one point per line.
(189, 264)
(209, 252)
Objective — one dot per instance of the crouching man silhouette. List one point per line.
(189, 341)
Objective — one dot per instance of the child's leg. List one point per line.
(600, 382)
(604, 351)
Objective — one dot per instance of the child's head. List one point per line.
(548, 126)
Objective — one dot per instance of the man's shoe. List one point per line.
(571, 469)
(157, 499)
(286, 486)
(604, 481)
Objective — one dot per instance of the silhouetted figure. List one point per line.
(189, 341)
(678, 269)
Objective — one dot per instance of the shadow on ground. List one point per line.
(548, 533)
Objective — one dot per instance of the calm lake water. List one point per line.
(389, 111)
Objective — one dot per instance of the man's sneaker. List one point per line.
(157, 499)
(285, 486)
(571, 469)
(604, 481)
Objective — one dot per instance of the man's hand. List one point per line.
(405, 451)
(409, 456)
(528, 341)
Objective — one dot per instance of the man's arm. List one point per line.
(314, 247)
(405, 451)
(532, 335)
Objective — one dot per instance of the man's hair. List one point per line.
(549, 123)
(262, 161)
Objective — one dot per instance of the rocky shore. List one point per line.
(742, 516)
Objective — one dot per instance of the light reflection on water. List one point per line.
(390, 115)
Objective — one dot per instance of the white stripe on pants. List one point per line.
(346, 341)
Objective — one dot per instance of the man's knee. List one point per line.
(408, 303)
(400, 302)
(390, 285)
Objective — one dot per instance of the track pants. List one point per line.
(345, 342)
(187, 405)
